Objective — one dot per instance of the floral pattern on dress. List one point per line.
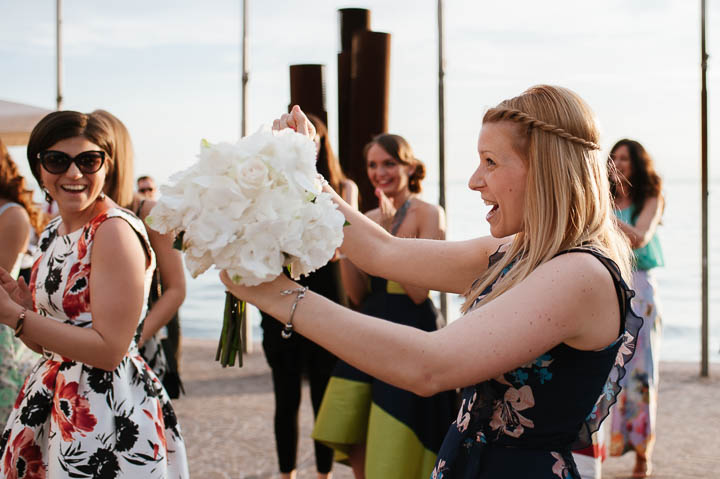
(633, 420)
(73, 420)
(524, 423)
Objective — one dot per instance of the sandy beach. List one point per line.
(227, 420)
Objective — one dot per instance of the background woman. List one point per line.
(384, 431)
(91, 407)
(290, 358)
(547, 322)
(639, 206)
(167, 291)
(18, 218)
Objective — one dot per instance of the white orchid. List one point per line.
(252, 208)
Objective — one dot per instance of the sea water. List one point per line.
(678, 282)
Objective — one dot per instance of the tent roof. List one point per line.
(17, 121)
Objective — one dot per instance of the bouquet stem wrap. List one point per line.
(230, 345)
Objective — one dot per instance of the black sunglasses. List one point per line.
(58, 162)
(146, 190)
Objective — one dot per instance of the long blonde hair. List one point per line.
(567, 197)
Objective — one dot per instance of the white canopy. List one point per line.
(17, 121)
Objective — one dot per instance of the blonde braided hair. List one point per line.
(531, 122)
(567, 193)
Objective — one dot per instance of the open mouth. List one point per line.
(74, 188)
(493, 210)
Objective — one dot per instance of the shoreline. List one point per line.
(227, 420)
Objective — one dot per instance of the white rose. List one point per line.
(252, 176)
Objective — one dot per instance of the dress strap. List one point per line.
(399, 217)
(139, 208)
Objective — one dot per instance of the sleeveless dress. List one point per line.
(402, 431)
(16, 359)
(633, 420)
(72, 420)
(526, 422)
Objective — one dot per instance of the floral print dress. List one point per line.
(525, 422)
(73, 420)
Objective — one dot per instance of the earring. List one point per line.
(48, 198)
(102, 196)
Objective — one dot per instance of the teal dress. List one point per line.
(633, 419)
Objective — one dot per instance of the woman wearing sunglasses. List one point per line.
(91, 407)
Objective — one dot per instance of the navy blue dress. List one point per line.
(525, 422)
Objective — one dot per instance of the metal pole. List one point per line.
(245, 75)
(247, 329)
(704, 367)
(441, 129)
(58, 53)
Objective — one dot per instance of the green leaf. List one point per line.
(178, 243)
(347, 223)
(205, 143)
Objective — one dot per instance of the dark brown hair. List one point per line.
(397, 147)
(119, 182)
(644, 181)
(61, 125)
(327, 163)
(14, 188)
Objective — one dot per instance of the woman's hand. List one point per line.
(387, 209)
(263, 295)
(18, 291)
(12, 294)
(297, 121)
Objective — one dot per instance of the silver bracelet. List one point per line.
(288, 329)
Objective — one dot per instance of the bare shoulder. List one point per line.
(349, 185)
(426, 210)
(15, 217)
(580, 266)
(114, 230)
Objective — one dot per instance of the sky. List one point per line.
(170, 69)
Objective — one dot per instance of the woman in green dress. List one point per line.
(381, 430)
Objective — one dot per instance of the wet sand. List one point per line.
(227, 420)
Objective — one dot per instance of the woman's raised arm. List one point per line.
(569, 299)
(449, 266)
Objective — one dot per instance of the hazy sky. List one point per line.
(170, 69)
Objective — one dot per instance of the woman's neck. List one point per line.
(400, 198)
(74, 220)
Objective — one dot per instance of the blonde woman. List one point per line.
(547, 325)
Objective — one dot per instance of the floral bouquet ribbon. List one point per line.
(251, 208)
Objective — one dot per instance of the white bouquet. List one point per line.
(251, 208)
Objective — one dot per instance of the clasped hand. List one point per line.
(13, 293)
